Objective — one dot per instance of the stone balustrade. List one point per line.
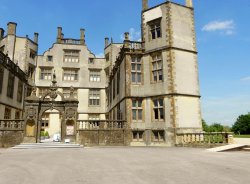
(71, 41)
(135, 45)
(11, 125)
(100, 124)
(203, 138)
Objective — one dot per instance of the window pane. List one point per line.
(139, 103)
(133, 66)
(134, 103)
(133, 77)
(156, 113)
(160, 75)
(155, 103)
(138, 67)
(161, 102)
(140, 114)
(153, 34)
(161, 113)
(154, 65)
(139, 77)
(134, 114)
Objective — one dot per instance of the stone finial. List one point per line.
(106, 41)
(144, 5)
(36, 37)
(1, 33)
(82, 36)
(59, 34)
(189, 3)
(12, 28)
(126, 36)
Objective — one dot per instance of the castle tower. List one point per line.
(171, 58)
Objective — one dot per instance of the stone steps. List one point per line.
(46, 145)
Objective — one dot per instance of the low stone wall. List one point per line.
(103, 137)
(10, 138)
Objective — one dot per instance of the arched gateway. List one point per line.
(35, 108)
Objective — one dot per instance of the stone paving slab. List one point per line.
(124, 166)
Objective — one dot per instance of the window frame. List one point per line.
(155, 29)
(94, 97)
(70, 54)
(136, 61)
(46, 73)
(11, 85)
(20, 91)
(71, 72)
(94, 75)
(137, 108)
(7, 113)
(157, 68)
(157, 109)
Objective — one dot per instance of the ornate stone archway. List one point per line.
(35, 107)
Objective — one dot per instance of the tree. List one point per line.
(242, 124)
(216, 127)
(204, 125)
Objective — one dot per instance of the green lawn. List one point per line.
(242, 136)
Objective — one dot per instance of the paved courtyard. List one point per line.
(123, 166)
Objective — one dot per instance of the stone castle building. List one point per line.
(140, 93)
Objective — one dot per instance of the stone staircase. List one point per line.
(46, 145)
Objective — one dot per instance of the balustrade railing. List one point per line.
(11, 124)
(135, 45)
(203, 138)
(100, 124)
(71, 41)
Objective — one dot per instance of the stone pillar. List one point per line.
(126, 40)
(144, 5)
(59, 35)
(36, 37)
(82, 37)
(106, 42)
(1, 33)
(189, 3)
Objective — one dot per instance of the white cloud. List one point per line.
(100, 55)
(133, 34)
(227, 27)
(245, 79)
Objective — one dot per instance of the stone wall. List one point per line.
(104, 137)
(10, 138)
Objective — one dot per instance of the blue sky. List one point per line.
(223, 40)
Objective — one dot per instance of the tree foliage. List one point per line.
(215, 127)
(242, 124)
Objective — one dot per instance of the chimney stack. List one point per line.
(11, 28)
(126, 36)
(59, 34)
(82, 37)
(144, 5)
(1, 33)
(106, 41)
(189, 3)
(36, 37)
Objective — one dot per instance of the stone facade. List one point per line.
(140, 93)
